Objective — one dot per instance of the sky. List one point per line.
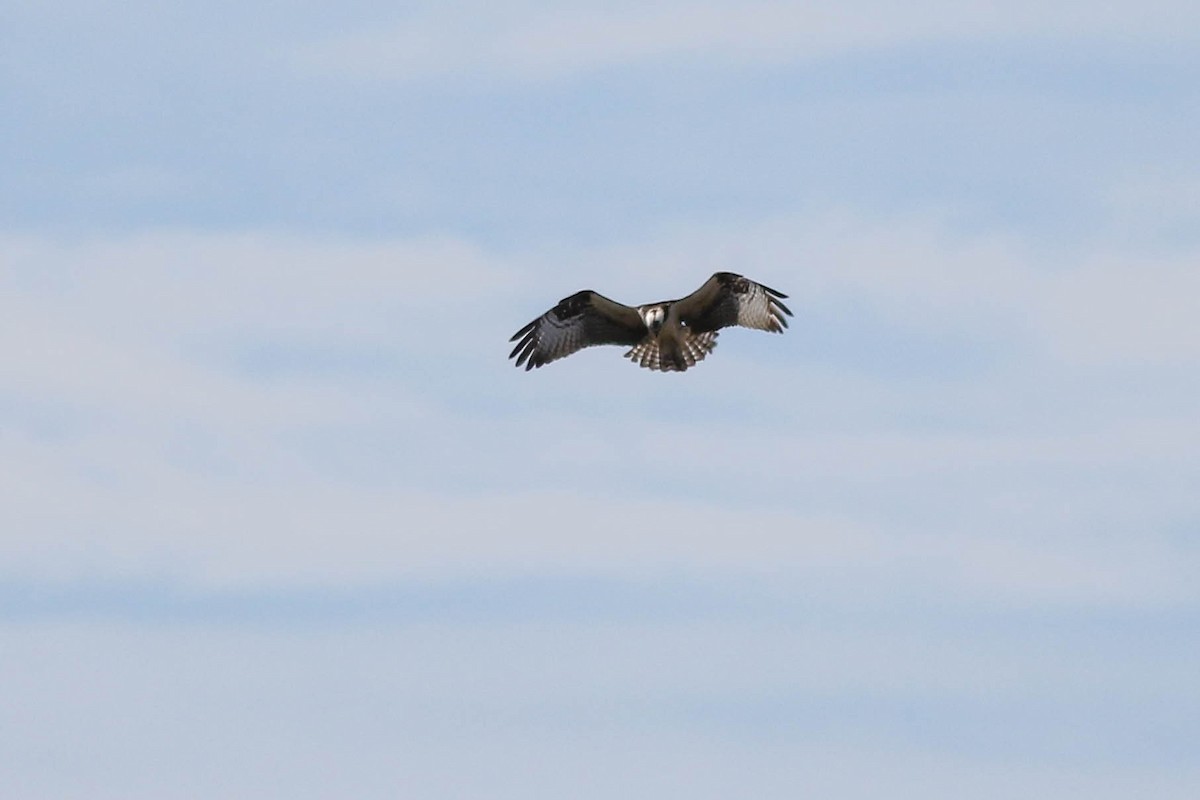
(278, 519)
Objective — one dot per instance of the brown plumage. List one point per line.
(669, 336)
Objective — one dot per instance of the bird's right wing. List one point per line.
(728, 299)
(581, 320)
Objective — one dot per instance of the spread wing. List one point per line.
(727, 299)
(581, 320)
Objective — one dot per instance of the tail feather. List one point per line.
(692, 350)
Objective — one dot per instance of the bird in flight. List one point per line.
(669, 336)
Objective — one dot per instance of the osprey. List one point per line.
(668, 336)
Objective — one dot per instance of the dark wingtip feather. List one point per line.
(523, 331)
(523, 350)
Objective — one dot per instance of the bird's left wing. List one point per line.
(728, 299)
(581, 320)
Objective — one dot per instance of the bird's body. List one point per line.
(669, 336)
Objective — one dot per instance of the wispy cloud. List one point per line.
(531, 41)
(155, 398)
(281, 520)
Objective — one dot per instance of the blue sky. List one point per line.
(280, 520)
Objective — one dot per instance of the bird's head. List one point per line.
(654, 317)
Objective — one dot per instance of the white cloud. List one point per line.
(139, 445)
(179, 280)
(539, 41)
(134, 325)
(1115, 310)
(258, 516)
(1109, 303)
